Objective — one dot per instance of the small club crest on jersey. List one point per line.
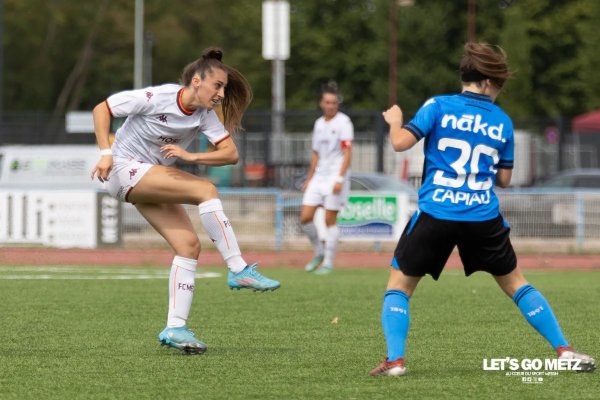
(162, 118)
(149, 95)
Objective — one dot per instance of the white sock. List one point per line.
(219, 230)
(331, 244)
(310, 229)
(181, 290)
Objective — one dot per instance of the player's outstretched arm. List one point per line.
(401, 138)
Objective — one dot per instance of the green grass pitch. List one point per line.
(94, 336)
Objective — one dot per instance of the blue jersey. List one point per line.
(467, 138)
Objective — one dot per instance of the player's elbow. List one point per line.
(503, 177)
(233, 156)
(401, 144)
(402, 139)
(397, 146)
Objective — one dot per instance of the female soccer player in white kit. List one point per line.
(161, 122)
(327, 184)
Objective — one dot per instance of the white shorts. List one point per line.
(320, 193)
(123, 177)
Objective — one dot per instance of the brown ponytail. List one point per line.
(238, 92)
(482, 61)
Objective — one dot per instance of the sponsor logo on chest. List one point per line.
(474, 124)
(168, 140)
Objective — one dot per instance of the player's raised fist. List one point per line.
(393, 115)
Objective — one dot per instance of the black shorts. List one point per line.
(427, 242)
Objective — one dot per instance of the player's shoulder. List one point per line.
(507, 120)
(441, 99)
(501, 116)
(166, 88)
(500, 111)
(320, 120)
(436, 101)
(343, 118)
(342, 115)
(208, 114)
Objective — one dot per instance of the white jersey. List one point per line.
(155, 117)
(327, 142)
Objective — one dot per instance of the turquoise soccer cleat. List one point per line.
(183, 339)
(314, 263)
(324, 270)
(249, 278)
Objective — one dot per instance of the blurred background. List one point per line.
(59, 58)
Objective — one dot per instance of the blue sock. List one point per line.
(537, 312)
(395, 321)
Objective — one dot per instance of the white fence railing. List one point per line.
(270, 218)
(267, 218)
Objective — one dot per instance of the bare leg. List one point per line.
(173, 223)
(169, 185)
(399, 281)
(511, 282)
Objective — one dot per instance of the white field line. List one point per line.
(98, 270)
(74, 273)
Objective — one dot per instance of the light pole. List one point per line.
(1, 65)
(471, 19)
(393, 48)
(276, 47)
(138, 59)
(393, 54)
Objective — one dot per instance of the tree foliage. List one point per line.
(66, 54)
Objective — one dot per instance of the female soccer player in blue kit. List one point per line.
(469, 147)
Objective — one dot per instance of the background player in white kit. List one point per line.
(327, 184)
(161, 122)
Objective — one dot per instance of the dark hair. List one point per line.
(238, 92)
(330, 87)
(482, 61)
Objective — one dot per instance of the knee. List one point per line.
(194, 249)
(511, 288)
(405, 283)
(206, 191)
(305, 220)
(511, 282)
(189, 249)
(306, 216)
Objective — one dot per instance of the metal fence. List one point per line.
(271, 159)
(269, 218)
